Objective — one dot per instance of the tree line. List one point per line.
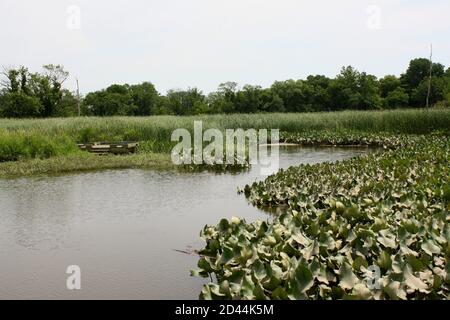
(24, 94)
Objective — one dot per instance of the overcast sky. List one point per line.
(201, 43)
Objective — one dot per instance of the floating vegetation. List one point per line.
(236, 167)
(346, 138)
(387, 211)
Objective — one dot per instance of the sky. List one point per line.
(202, 43)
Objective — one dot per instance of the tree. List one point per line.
(437, 93)
(320, 99)
(41, 94)
(271, 102)
(181, 102)
(368, 90)
(43, 91)
(55, 73)
(145, 98)
(249, 99)
(10, 81)
(396, 98)
(227, 93)
(294, 93)
(68, 105)
(418, 70)
(115, 100)
(388, 84)
(352, 89)
(200, 107)
(19, 105)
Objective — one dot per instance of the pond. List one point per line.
(123, 228)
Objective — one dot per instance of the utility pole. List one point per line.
(78, 98)
(429, 79)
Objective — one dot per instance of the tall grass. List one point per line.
(17, 145)
(48, 137)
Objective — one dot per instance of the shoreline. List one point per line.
(83, 162)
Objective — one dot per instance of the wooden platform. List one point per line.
(123, 147)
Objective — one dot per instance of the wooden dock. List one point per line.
(123, 147)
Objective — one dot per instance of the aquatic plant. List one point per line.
(387, 211)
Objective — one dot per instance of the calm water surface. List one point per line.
(121, 227)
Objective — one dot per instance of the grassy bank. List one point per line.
(22, 141)
(156, 130)
(84, 162)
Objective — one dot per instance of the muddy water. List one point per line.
(121, 227)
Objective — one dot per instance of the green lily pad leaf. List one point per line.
(346, 276)
(215, 290)
(247, 287)
(205, 264)
(311, 251)
(301, 239)
(415, 263)
(387, 239)
(289, 249)
(259, 293)
(359, 292)
(301, 280)
(413, 282)
(405, 250)
(319, 271)
(326, 240)
(199, 273)
(259, 270)
(214, 245)
(340, 208)
(360, 262)
(430, 247)
(224, 225)
(227, 255)
(384, 260)
(236, 276)
(324, 291)
(206, 293)
(395, 291)
(279, 294)
(262, 229)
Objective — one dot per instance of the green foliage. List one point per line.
(388, 84)
(419, 94)
(350, 89)
(388, 209)
(354, 90)
(84, 161)
(396, 98)
(418, 70)
(20, 105)
(185, 102)
(21, 145)
(154, 132)
(32, 95)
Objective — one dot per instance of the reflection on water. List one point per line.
(121, 227)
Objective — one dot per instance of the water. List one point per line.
(121, 227)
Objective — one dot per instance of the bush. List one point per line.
(17, 145)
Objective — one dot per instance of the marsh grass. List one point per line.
(22, 139)
(83, 162)
(85, 129)
(21, 144)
